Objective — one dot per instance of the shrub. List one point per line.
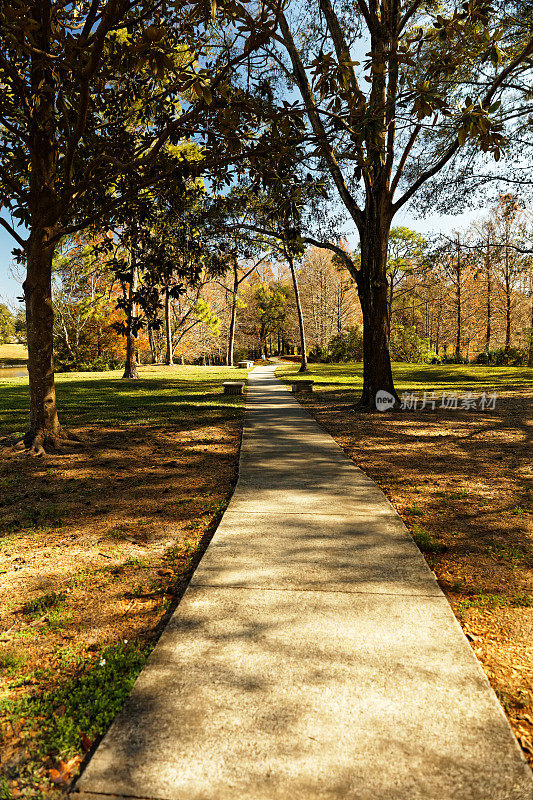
(514, 357)
(320, 354)
(407, 345)
(347, 345)
(101, 364)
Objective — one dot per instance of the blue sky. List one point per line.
(10, 288)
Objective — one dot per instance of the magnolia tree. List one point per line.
(92, 93)
(391, 93)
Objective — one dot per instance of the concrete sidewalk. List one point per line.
(313, 656)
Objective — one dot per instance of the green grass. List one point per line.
(42, 605)
(510, 553)
(12, 662)
(515, 700)
(13, 354)
(426, 541)
(85, 702)
(488, 602)
(449, 378)
(179, 396)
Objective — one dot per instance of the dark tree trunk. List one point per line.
(301, 325)
(44, 425)
(169, 355)
(390, 298)
(130, 368)
(372, 288)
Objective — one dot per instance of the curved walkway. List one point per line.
(313, 655)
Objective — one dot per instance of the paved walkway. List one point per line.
(313, 656)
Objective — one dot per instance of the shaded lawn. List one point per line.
(418, 377)
(96, 545)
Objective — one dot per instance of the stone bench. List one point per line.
(302, 386)
(246, 364)
(233, 387)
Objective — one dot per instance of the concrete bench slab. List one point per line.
(246, 364)
(302, 386)
(233, 387)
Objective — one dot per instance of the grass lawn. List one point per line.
(13, 354)
(96, 547)
(463, 483)
(420, 377)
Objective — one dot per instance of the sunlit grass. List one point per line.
(418, 377)
(162, 395)
(13, 354)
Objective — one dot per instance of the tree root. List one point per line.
(43, 442)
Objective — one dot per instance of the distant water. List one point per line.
(13, 372)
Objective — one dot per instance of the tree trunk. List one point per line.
(488, 270)
(303, 364)
(169, 359)
(44, 425)
(233, 320)
(130, 368)
(507, 301)
(530, 353)
(373, 295)
(458, 303)
(390, 297)
(153, 348)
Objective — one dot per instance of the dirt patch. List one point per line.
(95, 548)
(463, 483)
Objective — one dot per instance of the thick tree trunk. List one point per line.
(44, 425)
(301, 325)
(169, 355)
(130, 368)
(373, 294)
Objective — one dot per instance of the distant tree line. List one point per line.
(467, 296)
